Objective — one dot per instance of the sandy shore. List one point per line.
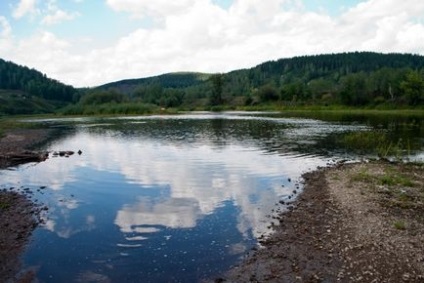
(353, 223)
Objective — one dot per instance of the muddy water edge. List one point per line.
(19, 215)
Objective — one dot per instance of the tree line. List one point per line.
(353, 79)
(358, 79)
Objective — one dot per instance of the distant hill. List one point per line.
(334, 66)
(355, 78)
(359, 79)
(303, 67)
(27, 91)
(178, 80)
(14, 102)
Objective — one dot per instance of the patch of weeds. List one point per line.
(392, 178)
(400, 225)
(337, 178)
(376, 142)
(4, 205)
(362, 176)
(404, 197)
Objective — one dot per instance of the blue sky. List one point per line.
(91, 42)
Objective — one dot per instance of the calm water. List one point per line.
(168, 199)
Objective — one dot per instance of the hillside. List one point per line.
(172, 80)
(353, 79)
(13, 102)
(358, 79)
(28, 91)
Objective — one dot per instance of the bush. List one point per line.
(102, 97)
(268, 93)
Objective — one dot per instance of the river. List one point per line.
(176, 198)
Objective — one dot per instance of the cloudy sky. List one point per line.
(92, 42)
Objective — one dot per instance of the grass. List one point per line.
(362, 176)
(399, 186)
(111, 109)
(399, 225)
(14, 122)
(308, 110)
(4, 205)
(374, 142)
(16, 102)
(389, 178)
(394, 179)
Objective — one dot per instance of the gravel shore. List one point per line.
(353, 223)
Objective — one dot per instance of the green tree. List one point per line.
(217, 81)
(320, 87)
(293, 91)
(354, 90)
(268, 93)
(413, 87)
(102, 97)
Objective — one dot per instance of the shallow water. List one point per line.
(166, 198)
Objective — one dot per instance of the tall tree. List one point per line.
(413, 87)
(217, 84)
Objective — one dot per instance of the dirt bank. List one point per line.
(353, 223)
(18, 215)
(16, 144)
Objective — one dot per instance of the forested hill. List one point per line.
(172, 80)
(358, 78)
(352, 79)
(33, 82)
(25, 91)
(311, 67)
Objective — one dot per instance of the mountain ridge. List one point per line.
(264, 66)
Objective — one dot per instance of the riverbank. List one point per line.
(19, 216)
(353, 223)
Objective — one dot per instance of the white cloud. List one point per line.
(45, 44)
(58, 16)
(376, 9)
(201, 36)
(25, 7)
(379, 25)
(142, 8)
(5, 35)
(5, 28)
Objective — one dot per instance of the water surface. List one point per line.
(166, 198)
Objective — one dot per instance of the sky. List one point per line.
(86, 43)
